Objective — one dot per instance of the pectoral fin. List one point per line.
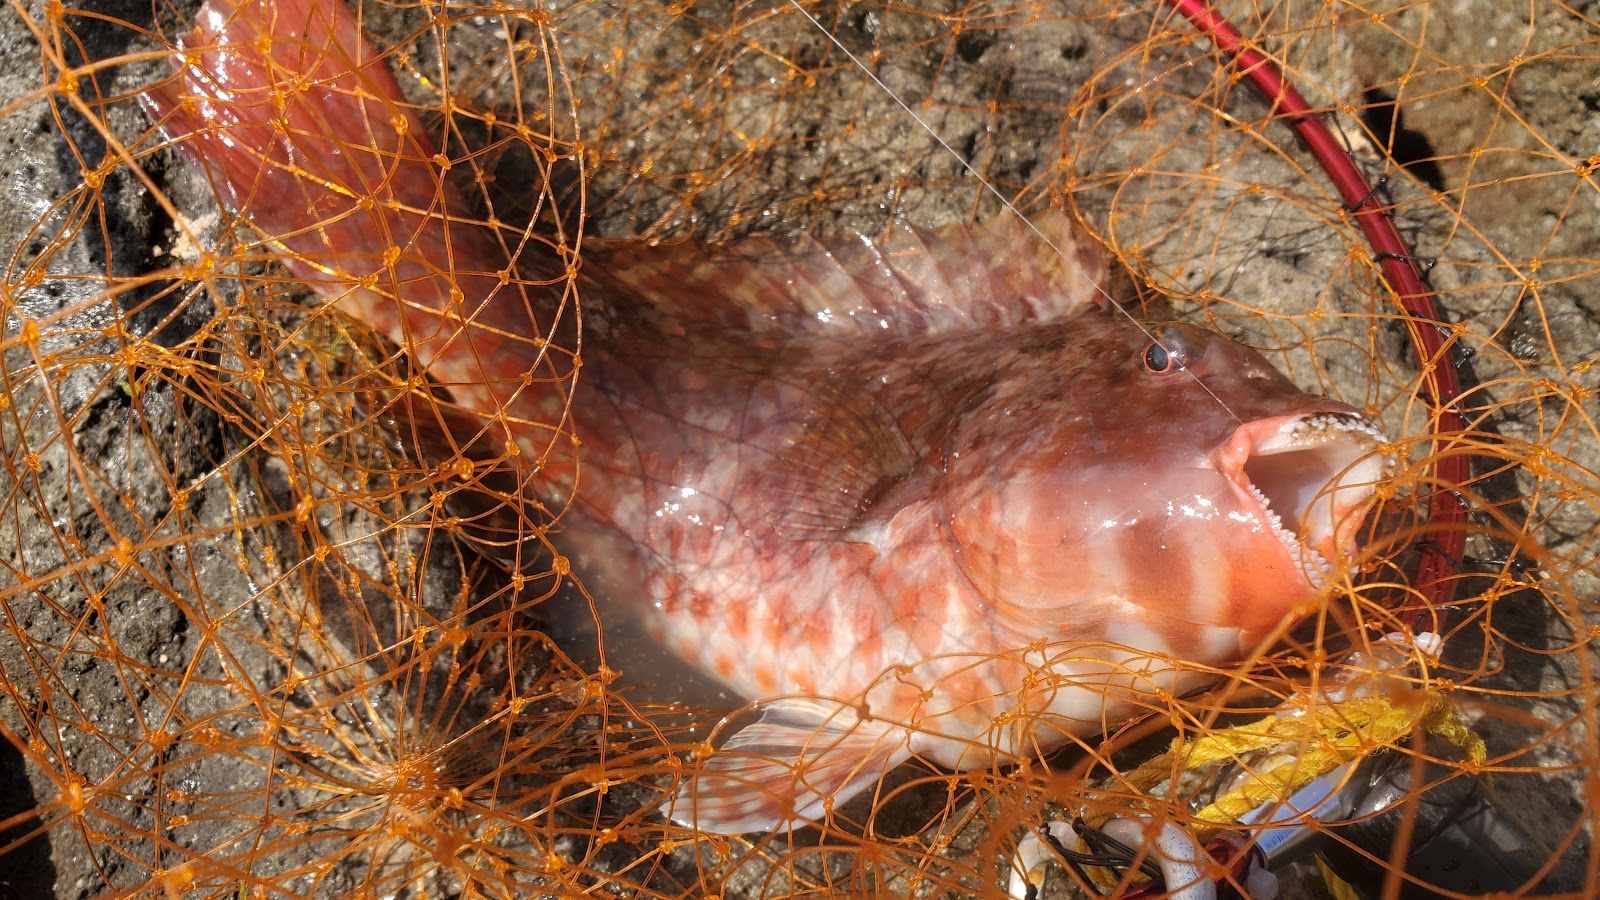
(791, 766)
(839, 466)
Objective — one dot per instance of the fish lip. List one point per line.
(1340, 450)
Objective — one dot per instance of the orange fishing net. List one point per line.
(266, 637)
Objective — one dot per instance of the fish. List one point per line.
(924, 493)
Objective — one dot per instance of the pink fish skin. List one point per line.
(925, 494)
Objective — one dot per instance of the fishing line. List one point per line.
(1004, 201)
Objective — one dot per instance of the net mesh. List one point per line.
(265, 639)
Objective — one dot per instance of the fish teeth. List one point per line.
(1324, 426)
(1313, 563)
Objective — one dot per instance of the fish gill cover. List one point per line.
(269, 633)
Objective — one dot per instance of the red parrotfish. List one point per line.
(926, 493)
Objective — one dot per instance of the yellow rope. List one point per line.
(1351, 730)
(1318, 741)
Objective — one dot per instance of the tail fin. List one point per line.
(305, 132)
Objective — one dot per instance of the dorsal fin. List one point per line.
(957, 278)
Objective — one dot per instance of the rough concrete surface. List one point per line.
(1231, 221)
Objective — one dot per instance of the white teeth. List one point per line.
(1316, 567)
(1341, 448)
(1318, 427)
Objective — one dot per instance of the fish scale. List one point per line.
(923, 493)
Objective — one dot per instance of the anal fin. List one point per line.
(789, 768)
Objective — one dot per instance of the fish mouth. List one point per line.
(1312, 477)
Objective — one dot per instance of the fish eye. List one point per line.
(1164, 355)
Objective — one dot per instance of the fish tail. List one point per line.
(304, 131)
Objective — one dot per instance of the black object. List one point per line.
(1463, 839)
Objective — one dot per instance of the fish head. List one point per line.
(1173, 483)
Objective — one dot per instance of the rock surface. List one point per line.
(159, 556)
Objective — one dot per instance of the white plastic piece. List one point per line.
(1027, 867)
(1428, 643)
(1261, 884)
(1181, 859)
